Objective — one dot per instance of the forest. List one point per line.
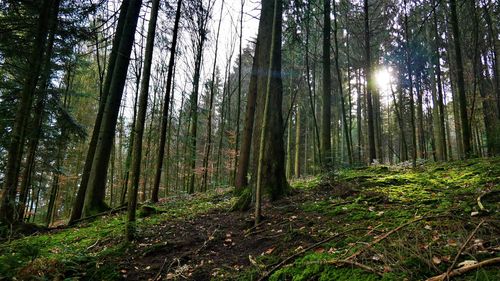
(250, 140)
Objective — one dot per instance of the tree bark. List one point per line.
(462, 98)
(77, 210)
(96, 190)
(369, 102)
(326, 146)
(164, 119)
(141, 120)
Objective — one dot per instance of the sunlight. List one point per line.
(383, 78)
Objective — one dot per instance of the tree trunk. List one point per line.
(77, 210)
(246, 140)
(208, 145)
(326, 146)
(238, 108)
(164, 119)
(15, 148)
(273, 180)
(140, 122)
(442, 131)
(96, 190)
(466, 135)
(297, 142)
(345, 121)
(369, 103)
(274, 51)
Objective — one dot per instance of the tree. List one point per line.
(77, 210)
(141, 120)
(326, 147)
(369, 102)
(273, 180)
(199, 28)
(95, 194)
(49, 9)
(462, 98)
(164, 119)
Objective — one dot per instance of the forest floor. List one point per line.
(376, 223)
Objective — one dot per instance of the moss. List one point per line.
(306, 269)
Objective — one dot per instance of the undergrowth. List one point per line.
(82, 251)
(436, 203)
(443, 196)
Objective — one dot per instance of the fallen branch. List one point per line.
(347, 262)
(109, 212)
(285, 261)
(462, 248)
(93, 245)
(158, 275)
(357, 253)
(268, 273)
(465, 269)
(481, 207)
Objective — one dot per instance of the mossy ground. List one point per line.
(196, 238)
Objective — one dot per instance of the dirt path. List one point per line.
(219, 244)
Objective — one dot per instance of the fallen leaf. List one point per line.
(269, 251)
(436, 260)
(428, 227)
(319, 250)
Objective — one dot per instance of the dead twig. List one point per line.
(158, 275)
(209, 238)
(313, 246)
(387, 234)
(481, 207)
(462, 248)
(264, 230)
(93, 245)
(348, 262)
(465, 269)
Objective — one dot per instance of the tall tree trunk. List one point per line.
(409, 68)
(273, 180)
(297, 142)
(164, 119)
(246, 140)
(141, 120)
(462, 98)
(369, 102)
(77, 210)
(208, 145)
(420, 120)
(15, 149)
(345, 121)
(310, 86)
(437, 62)
(37, 120)
(202, 19)
(326, 146)
(96, 190)
(238, 108)
(265, 133)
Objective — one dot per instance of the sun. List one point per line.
(383, 78)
